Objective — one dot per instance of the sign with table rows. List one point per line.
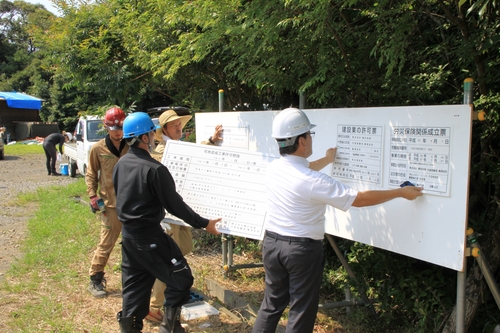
(217, 182)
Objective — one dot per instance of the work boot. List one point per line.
(171, 321)
(98, 285)
(48, 171)
(55, 173)
(128, 324)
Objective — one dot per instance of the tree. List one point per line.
(340, 54)
(263, 54)
(16, 41)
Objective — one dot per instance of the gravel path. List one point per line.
(19, 174)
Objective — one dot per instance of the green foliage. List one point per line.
(263, 54)
(405, 292)
(350, 53)
(485, 167)
(246, 246)
(17, 46)
(203, 240)
(88, 43)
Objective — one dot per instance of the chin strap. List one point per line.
(151, 147)
(151, 144)
(282, 143)
(131, 142)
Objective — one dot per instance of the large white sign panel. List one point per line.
(217, 182)
(380, 148)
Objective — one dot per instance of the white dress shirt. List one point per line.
(298, 195)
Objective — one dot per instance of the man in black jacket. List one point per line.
(144, 189)
(49, 146)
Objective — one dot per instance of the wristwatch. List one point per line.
(211, 141)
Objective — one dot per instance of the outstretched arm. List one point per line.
(371, 198)
(324, 161)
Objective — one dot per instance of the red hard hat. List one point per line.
(114, 118)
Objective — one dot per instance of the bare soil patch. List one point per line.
(19, 174)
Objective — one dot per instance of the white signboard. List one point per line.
(219, 182)
(384, 147)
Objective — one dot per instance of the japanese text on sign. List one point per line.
(218, 182)
(359, 153)
(422, 156)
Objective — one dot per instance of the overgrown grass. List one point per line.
(42, 283)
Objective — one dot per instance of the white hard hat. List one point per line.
(69, 136)
(290, 123)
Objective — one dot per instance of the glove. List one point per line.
(93, 203)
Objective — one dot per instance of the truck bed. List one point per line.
(70, 150)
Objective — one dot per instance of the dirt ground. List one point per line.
(19, 174)
(27, 173)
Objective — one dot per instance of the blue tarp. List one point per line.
(21, 101)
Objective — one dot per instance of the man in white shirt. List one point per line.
(297, 195)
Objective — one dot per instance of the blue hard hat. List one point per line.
(136, 124)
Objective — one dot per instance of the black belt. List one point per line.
(291, 239)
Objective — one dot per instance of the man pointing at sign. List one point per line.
(144, 190)
(297, 196)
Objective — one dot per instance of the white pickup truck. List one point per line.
(88, 131)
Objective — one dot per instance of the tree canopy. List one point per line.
(264, 54)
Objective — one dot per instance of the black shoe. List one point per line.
(55, 173)
(171, 321)
(97, 286)
(49, 173)
(128, 324)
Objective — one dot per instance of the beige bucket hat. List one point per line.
(168, 116)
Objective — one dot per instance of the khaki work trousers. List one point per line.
(110, 231)
(184, 239)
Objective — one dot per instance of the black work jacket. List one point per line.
(144, 190)
(55, 139)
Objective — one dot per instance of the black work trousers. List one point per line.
(294, 271)
(145, 259)
(50, 156)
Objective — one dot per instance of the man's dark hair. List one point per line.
(136, 143)
(293, 148)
